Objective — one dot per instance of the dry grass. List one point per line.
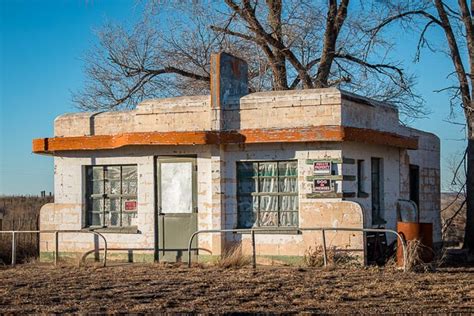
(233, 258)
(32, 289)
(314, 257)
(415, 261)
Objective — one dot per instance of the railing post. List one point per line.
(189, 247)
(56, 247)
(254, 254)
(13, 248)
(325, 255)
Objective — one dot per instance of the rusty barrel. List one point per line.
(421, 231)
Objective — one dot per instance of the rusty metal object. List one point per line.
(420, 231)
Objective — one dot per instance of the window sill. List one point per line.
(276, 231)
(119, 230)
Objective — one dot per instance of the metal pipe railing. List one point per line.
(323, 230)
(56, 241)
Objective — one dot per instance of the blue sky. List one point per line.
(40, 64)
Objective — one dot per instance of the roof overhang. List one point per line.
(249, 136)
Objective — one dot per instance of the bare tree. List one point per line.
(293, 44)
(456, 21)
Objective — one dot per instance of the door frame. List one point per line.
(157, 160)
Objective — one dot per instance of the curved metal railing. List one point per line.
(323, 230)
(56, 240)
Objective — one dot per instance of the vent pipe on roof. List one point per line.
(229, 82)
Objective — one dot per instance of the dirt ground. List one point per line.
(36, 288)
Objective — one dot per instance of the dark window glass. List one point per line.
(360, 178)
(376, 181)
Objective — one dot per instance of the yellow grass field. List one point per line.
(38, 288)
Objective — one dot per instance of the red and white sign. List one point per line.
(322, 185)
(130, 206)
(322, 167)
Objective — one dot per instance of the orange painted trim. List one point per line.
(370, 136)
(247, 136)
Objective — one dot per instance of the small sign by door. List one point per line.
(322, 185)
(130, 206)
(322, 167)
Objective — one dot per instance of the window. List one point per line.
(414, 176)
(377, 189)
(267, 194)
(111, 195)
(360, 179)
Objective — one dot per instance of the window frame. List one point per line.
(377, 214)
(361, 168)
(90, 197)
(258, 193)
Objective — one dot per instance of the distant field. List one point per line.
(20, 213)
(155, 288)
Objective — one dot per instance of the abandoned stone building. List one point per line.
(281, 160)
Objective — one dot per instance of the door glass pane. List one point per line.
(176, 187)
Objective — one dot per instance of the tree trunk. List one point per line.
(469, 230)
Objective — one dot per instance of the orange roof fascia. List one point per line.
(246, 136)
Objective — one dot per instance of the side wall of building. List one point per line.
(427, 158)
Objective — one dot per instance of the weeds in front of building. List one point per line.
(314, 257)
(233, 258)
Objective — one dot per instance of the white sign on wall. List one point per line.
(322, 167)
